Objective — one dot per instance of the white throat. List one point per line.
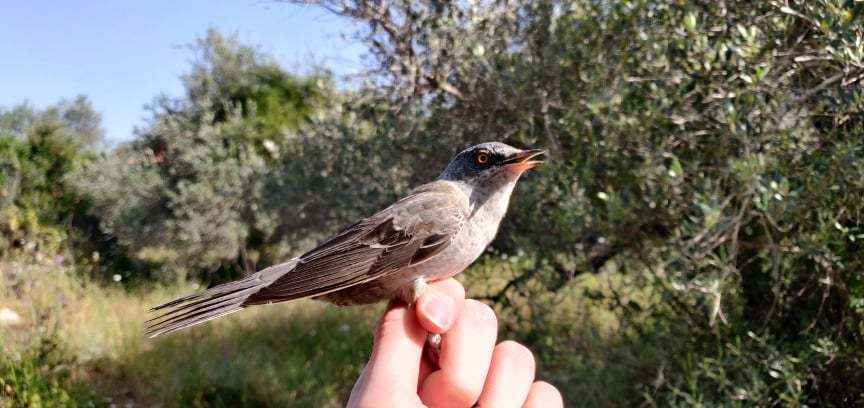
(489, 207)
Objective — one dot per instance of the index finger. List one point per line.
(466, 351)
(394, 366)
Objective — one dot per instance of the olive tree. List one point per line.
(707, 154)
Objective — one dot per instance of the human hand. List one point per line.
(473, 370)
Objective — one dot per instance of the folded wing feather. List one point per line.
(411, 231)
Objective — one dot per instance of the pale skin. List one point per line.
(473, 368)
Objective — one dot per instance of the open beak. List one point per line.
(521, 161)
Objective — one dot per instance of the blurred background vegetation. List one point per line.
(695, 239)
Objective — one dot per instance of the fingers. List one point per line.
(390, 378)
(544, 395)
(439, 306)
(472, 368)
(510, 376)
(465, 357)
(391, 375)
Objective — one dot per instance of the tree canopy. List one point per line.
(38, 149)
(708, 153)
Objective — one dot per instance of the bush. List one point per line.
(189, 194)
(38, 379)
(709, 151)
(38, 148)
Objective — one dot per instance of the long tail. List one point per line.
(215, 302)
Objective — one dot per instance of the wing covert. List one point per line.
(412, 230)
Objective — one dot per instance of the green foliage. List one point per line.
(36, 380)
(307, 357)
(229, 78)
(22, 385)
(38, 149)
(189, 192)
(695, 238)
(82, 344)
(711, 151)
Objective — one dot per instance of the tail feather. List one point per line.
(192, 313)
(212, 303)
(220, 290)
(193, 320)
(203, 303)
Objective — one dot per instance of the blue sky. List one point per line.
(121, 54)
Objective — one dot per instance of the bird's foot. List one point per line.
(433, 348)
(433, 340)
(418, 287)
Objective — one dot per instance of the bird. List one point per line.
(434, 232)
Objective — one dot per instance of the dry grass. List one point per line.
(303, 354)
(88, 339)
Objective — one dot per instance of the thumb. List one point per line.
(440, 305)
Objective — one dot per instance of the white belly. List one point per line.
(461, 253)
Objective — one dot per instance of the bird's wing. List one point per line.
(409, 232)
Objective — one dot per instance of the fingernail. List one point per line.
(439, 309)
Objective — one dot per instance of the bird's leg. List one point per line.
(418, 287)
(433, 340)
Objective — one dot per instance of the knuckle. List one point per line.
(464, 394)
(456, 288)
(366, 401)
(521, 355)
(482, 314)
(389, 324)
(549, 396)
(376, 400)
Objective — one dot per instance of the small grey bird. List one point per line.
(433, 233)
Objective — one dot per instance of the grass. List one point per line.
(83, 345)
(306, 354)
(301, 354)
(22, 384)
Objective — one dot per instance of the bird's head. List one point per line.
(490, 166)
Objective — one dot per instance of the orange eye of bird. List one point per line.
(482, 158)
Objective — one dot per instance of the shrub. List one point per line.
(709, 151)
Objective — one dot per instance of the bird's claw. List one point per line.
(433, 348)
